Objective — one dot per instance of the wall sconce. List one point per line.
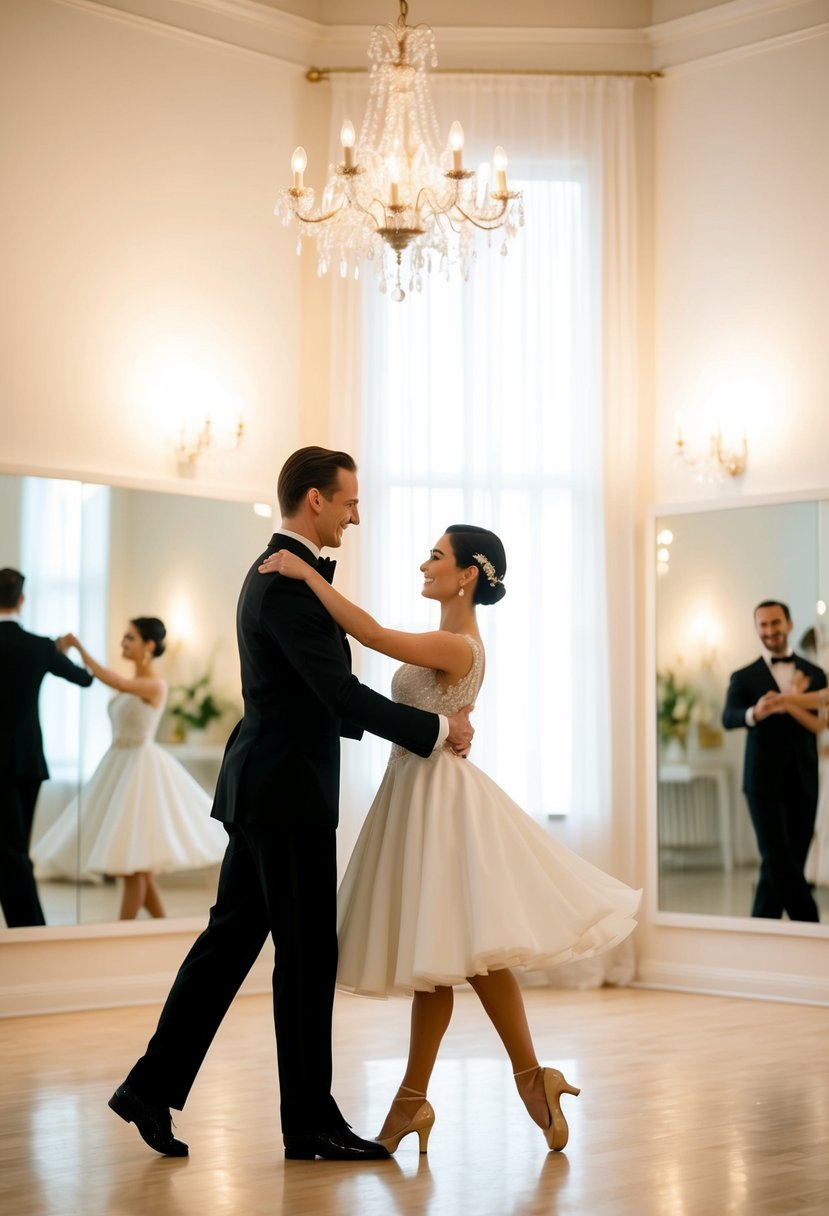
(718, 462)
(194, 442)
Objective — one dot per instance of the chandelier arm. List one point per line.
(486, 225)
(427, 193)
(319, 219)
(367, 211)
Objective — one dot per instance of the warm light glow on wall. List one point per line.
(180, 620)
(177, 381)
(705, 635)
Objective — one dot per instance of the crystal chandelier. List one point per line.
(393, 193)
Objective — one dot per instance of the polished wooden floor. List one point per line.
(689, 1105)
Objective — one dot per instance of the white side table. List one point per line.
(685, 774)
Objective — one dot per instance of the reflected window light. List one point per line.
(665, 537)
(264, 509)
(820, 607)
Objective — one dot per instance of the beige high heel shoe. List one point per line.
(422, 1121)
(558, 1133)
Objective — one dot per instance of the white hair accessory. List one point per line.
(488, 569)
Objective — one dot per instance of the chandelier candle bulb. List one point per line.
(456, 144)
(499, 160)
(347, 141)
(299, 161)
(394, 181)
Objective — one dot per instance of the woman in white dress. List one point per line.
(450, 881)
(140, 813)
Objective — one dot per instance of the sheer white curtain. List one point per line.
(65, 558)
(507, 402)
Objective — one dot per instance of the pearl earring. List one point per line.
(461, 591)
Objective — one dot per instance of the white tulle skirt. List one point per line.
(450, 878)
(140, 810)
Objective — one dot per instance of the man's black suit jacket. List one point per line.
(778, 745)
(299, 696)
(25, 658)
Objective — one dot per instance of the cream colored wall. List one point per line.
(741, 266)
(149, 281)
(742, 263)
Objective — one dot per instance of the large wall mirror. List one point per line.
(712, 568)
(94, 557)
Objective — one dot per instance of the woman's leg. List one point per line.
(133, 896)
(431, 1014)
(152, 900)
(501, 998)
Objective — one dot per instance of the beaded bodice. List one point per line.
(418, 686)
(133, 721)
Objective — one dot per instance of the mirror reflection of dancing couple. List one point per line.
(449, 882)
(139, 814)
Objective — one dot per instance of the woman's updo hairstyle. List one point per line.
(151, 630)
(479, 547)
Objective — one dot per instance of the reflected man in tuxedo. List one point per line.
(25, 659)
(278, 795)
(780, 774)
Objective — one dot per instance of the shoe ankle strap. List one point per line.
(523, 1071)
(414, 1092)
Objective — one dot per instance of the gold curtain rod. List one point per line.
(317, 75)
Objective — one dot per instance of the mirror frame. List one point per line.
(190, 488)
(696, 920)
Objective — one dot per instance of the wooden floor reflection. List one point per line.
(690, 1105)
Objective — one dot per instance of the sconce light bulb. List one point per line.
(347, 134)
(663, 555)
(820, 607)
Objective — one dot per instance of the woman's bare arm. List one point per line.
(147, 688)
(439, 649)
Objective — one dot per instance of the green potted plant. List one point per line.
(675, 700)
(192, 707)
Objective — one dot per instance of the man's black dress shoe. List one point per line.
(153, 1122)
(340, 1145)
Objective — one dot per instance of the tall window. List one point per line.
(482, 405)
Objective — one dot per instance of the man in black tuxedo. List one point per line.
(25, 659)
(780, 774)
(278, 794)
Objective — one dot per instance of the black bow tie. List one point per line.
(326, 567)
(783, 659)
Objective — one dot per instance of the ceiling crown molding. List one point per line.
(248, 25)
(730, 27)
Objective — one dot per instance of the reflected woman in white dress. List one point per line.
(140, 813)
(450, 881)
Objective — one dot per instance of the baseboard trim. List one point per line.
(108, 992)
(728, 981)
